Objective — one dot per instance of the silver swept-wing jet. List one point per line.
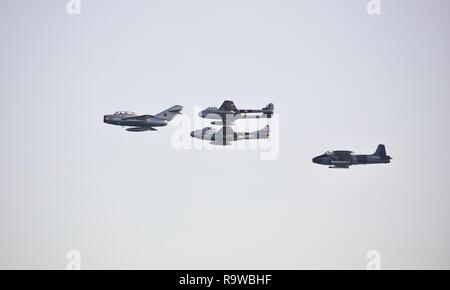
(140, 123)
(228, 113)
(226, 135)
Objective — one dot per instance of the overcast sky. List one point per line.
(339, 79)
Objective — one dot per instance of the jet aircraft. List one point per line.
(226, 134)
(143, 122)
(228, 113)
(344, 159)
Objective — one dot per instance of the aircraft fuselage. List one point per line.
(354, 160)
(344, 159)
(121, 121)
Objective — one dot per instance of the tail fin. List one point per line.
(268, 110)
(263, 133)
(170, 113)
(381, 150)
(269, 107)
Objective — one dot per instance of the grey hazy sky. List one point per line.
(339, 79)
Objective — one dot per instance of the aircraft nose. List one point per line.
(315, 160)
(107, 119)
(192, 134)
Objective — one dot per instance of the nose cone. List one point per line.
(201, 114)
(316, 160)
(108, 119)
(192, 134)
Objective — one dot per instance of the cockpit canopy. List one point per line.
(124, 113)
(206, 129)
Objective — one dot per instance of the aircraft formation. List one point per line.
(225, 116)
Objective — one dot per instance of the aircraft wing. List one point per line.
(226, 131)
(140, 129)
(140, 118)
(340, 163)
(220, 143)
(343, 155)
(340, 166)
